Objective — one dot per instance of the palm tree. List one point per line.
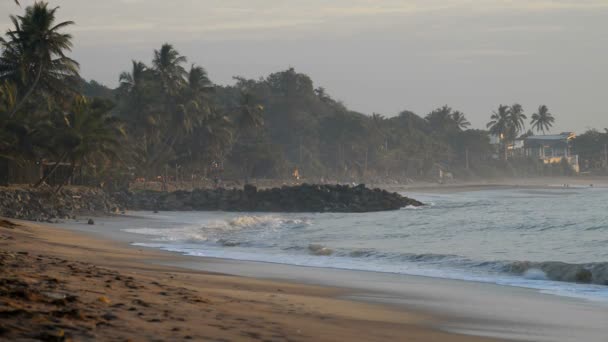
(133, 86)
(250, 114)
(378, 120)
(516, 119)
(85, 134)
(23, 134)
(34, 54)
(440, 119)
(500, 125)
(133, 81)
(8, 94)
(460, 120)
(198, 80)
(543, 120)
(167, 63)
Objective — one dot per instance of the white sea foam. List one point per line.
(535, 274)
(216, 230)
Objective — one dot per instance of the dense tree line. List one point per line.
(168, 118)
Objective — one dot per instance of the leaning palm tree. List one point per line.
(460, 120)
(34, 53)
(543, 120)
(500, 125)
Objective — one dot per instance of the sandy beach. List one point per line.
(64, 284)
(58, 285)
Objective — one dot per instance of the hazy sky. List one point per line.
(375, 55)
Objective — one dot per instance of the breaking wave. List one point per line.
(587, 273)
(320, 250)
(215, 231)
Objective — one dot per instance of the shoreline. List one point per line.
(436, 306)
(104, 289)
(538, 183)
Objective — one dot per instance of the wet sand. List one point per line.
(58, 285)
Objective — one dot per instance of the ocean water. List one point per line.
(553, 240)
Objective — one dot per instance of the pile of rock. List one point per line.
(302, 198)
(45, 205)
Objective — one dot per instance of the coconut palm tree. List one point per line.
(8, 94)
(500, 125)
(516, 119)
(195, 105)
(86, 134)
(460, 120)
(131, 82)
(23, 135)
(250, 113)
(440, 119)
(167, 63)
(134, 89)
(34, 53)
(542, 120)
(198, 80)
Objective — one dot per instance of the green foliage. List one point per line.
(34, 56)
(165, 115)
(543, 120)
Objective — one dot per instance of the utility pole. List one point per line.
(466, 155)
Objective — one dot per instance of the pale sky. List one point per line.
(380, 56)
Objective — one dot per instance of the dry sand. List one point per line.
(57, 285)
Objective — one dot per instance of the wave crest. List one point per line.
(320, 250)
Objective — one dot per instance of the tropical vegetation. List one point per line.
(168, 120)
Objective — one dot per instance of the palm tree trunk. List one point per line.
(27, 94)
(55, 167)
(67, 178)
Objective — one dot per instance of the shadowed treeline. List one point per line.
(167, 121)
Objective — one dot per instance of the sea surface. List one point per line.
(553, 240)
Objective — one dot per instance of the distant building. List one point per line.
(552, 149)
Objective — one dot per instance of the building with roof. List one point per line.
(552, 149)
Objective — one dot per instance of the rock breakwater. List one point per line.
(45, 205)
(302, 198)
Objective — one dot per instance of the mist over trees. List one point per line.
(168, 118)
